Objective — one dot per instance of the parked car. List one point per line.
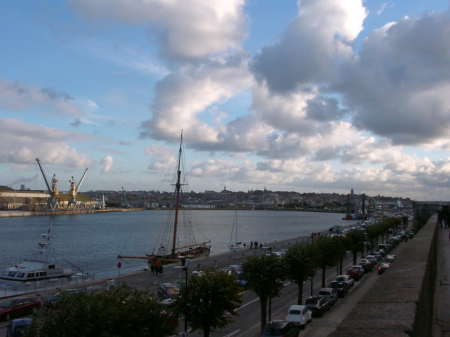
(18, 327)
(300, 315)
(280, 329)
(19, 307)
(330, 293)
(347, 279)
(168, 290)
(390, 258)
(372, 259)
(384, 246)
(356, 272)
(382, 267)
(318, 305)
(366, 264)
(341, 288)
(51, 300)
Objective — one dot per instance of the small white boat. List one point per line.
(30, 270)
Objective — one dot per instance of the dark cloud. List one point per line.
(398, 87)
(324, 109)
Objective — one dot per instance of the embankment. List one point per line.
(400, 304)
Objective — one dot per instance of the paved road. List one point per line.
(246, 324)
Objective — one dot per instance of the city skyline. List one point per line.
(306, 96)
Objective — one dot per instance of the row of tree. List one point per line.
(208, 302)
(265, 274)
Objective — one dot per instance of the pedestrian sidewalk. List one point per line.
(441, 320)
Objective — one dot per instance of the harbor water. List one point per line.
(92, 242)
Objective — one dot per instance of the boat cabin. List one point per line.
(34, 271)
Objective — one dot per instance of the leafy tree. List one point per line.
(299, 265)
(210, 299)
(354, 241)
(264, 275)
(325, 255)
(121, 312)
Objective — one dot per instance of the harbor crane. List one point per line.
(52, 202)
(74, 188)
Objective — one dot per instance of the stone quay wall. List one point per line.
(400, 304)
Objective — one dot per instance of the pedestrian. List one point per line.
(152, 268)
(251, 244)
(255, 244)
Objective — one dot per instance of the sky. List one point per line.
(306, 96)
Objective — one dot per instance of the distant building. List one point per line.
(22, 199)
(38, 200)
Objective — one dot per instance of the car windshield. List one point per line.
(295, 312)
(324, 293)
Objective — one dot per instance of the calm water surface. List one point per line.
(93, 241)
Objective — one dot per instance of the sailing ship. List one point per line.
(38, 269)
(174, 252)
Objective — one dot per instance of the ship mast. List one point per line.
(177, 196)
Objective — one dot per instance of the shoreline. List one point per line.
(14, 213)
(6, 214)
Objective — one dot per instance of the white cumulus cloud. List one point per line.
(106, 163)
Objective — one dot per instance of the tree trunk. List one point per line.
(312, 285)
(270, 308)
(263, 302)
(300, 292)
(206, 331)
(324, 274)
(355, 256)
(341, 265)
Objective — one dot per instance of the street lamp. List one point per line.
(186, 274)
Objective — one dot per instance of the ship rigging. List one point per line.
(177, 252)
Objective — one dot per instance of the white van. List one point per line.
(299, 315)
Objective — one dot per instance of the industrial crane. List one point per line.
(74, 188)
(52, 191)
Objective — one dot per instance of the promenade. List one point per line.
(441, 320)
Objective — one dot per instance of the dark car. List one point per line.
(19, 307)
(341, 287)
(330, 294)
(366, 264)
(280, 329)
(356, 272)
(19, 327)
(318, 305)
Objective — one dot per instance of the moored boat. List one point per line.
(38, 269)
(30, 270)
(177, 252)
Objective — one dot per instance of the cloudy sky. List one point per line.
(308, 95)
